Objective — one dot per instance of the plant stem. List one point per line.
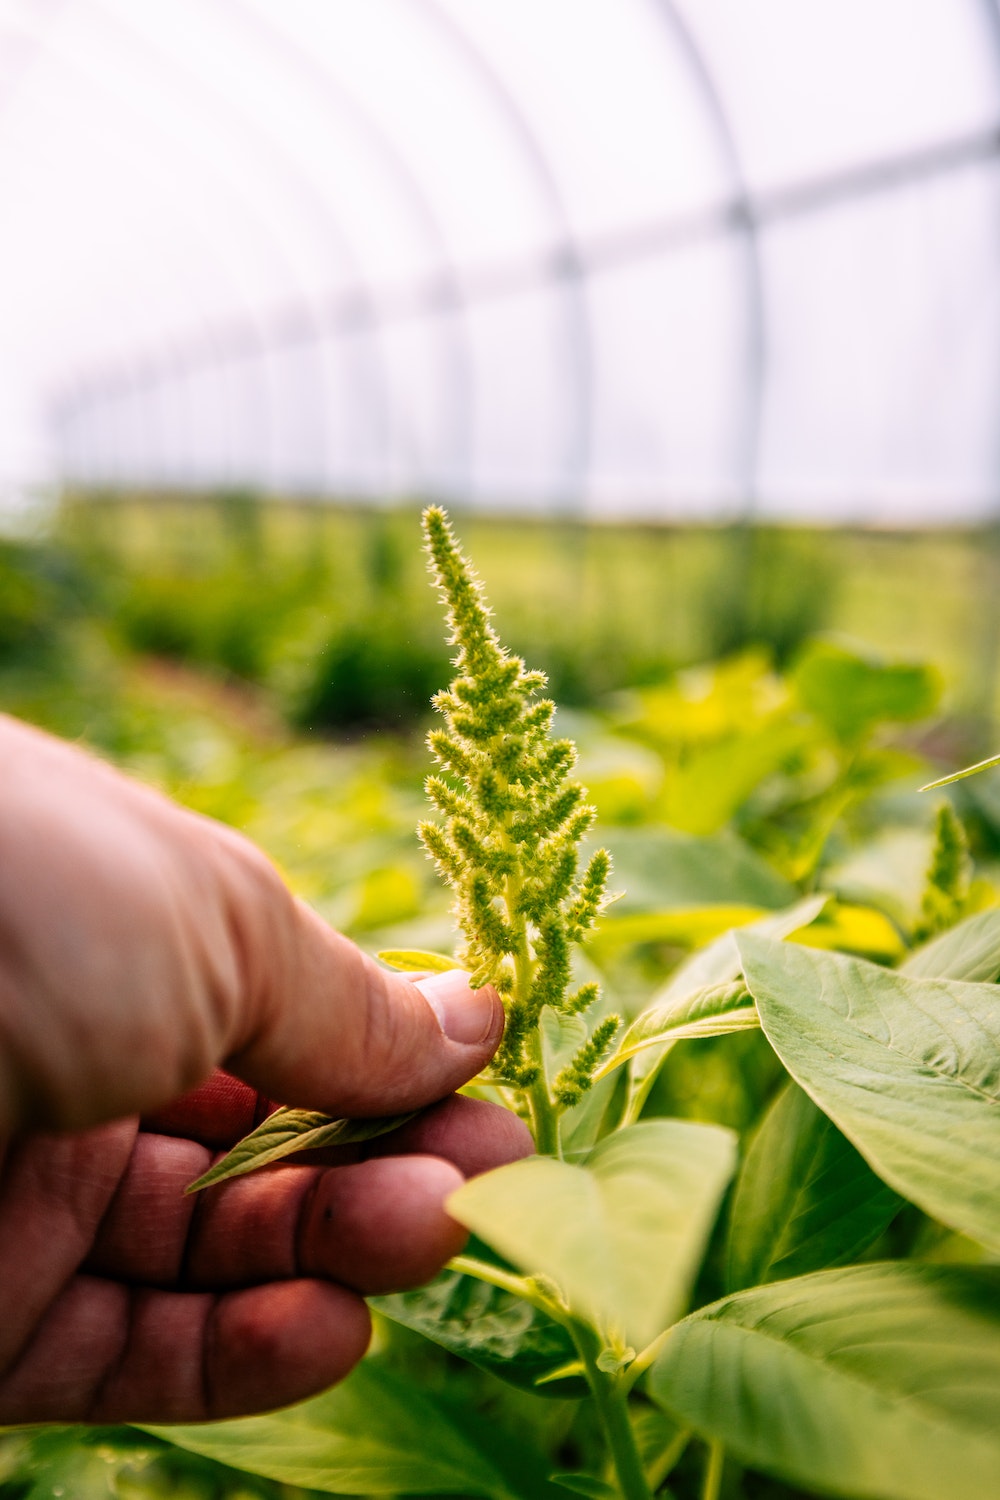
(611, 1399)
(544, 1117)
(646, 1357)
(507, 1281)
(661, 1468)
(711, 1483)
(639, 1093)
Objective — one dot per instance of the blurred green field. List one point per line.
(328, 606)
(249, 659)
(271, 667)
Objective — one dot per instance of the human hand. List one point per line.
(123, 1300)
(141, 946)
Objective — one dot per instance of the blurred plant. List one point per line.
(42, 594)
(588, 1254)
(376, 671)
(949, 877)
(772, 588)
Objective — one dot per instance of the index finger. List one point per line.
(217, 1113)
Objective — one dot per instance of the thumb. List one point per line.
(334, 1031)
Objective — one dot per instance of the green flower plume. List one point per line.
(946, 890)
(507, 842)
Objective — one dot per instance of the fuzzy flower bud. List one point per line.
(512, 821)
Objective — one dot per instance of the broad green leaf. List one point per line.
(703, 704)
(886, 872)
(805, 1199)
(878, 1382)
(718, 964)
(491, 1328)
(909, 1069)
(804, 1196)
(679, 927)
(851, 692)
(712, 781)
(712, 1011)
(416, 961)
(658, 868)
(290, 1130)
(620, 1235)
(970, 951)
(856, 929)
(377, 1433)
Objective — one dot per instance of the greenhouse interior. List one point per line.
(499, 713)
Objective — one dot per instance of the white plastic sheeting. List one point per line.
(658, 257)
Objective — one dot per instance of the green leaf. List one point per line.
(290, 1130)
(89, 1463)
(805, 1199)
(878, 1382)
(907, 1068)
(490, 1328)
(981, 765)
(679, 927)
(712, 781)
(712, 1011)
(416, 961)
(621, 1235)
(586, 1484)
(564, 1372)
(856, 929)
(659, 868)
(660, 1440)
(850, 692)
(718, 964)
(600, 1111)
(970, 951)
(614, 1361)
(886, 872)
(377, 1433)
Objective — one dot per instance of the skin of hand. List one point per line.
(144, 950)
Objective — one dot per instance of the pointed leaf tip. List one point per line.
(980, 765)
(288, 1131)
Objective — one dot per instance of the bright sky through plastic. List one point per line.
(669, 259)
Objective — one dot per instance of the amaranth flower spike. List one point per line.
(507, 843)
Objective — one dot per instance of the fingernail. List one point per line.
(464, 1015)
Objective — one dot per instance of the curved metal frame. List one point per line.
(570, 262)
(102, 383)
(573, 261)
(450, 294)
(744, 220)
(222, 343)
